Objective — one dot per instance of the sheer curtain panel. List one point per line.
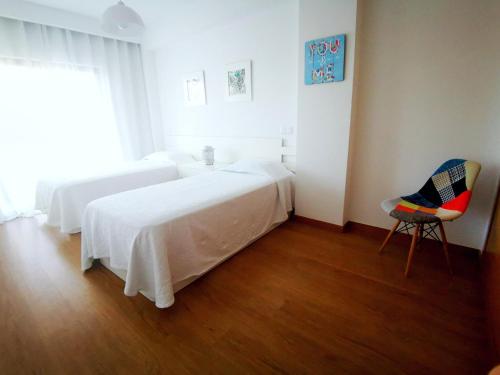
(68, 101)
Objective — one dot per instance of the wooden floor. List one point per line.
(300, 300)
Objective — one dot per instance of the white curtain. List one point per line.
(68, 101)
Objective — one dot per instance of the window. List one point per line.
(54, 119)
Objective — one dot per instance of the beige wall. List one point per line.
(428, 90)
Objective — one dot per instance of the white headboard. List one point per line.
(229, 149)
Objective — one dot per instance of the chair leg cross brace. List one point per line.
(422, 230)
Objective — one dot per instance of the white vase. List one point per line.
(207, 155)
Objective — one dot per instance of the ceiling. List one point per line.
(171, 17)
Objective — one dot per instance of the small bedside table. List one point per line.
(199, 167)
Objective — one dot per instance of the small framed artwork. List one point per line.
(194, 89)
(324, 60)
(238, 81)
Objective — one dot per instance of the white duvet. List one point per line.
(65, 199)
(166, 235)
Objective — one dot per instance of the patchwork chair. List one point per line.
(444, 197)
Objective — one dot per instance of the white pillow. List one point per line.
(259, 167)
(181, 157)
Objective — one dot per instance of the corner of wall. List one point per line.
(354, 112)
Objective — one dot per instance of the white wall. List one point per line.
(269, 39)
(429, 90)
(324, 116)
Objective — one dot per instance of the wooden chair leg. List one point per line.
(412, 248)
(420, 236)
(445, 247)
(389, 236)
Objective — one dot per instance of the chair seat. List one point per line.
(414, 217)
(413, 213)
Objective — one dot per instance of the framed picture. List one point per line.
(194, 89)
(238, 81)
(324, 60)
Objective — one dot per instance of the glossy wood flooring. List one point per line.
(299, 300)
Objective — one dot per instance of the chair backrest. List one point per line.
(450, 187)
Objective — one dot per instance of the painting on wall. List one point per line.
(194, 89)
(238, 81)
(324, 60)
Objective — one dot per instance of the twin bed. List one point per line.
(162, 236)
(65, 199)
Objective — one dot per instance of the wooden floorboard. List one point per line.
(302, 299)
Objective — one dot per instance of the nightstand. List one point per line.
(199, 167)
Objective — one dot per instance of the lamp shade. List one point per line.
(121, 20)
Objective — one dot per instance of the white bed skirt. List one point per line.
(122, 274)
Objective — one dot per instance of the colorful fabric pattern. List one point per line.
(445, 196)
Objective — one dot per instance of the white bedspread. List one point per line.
(164, 235)
(64, 199)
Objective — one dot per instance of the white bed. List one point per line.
(162, 237)
(64, 199)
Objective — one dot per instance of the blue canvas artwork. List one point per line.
(325, 60)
